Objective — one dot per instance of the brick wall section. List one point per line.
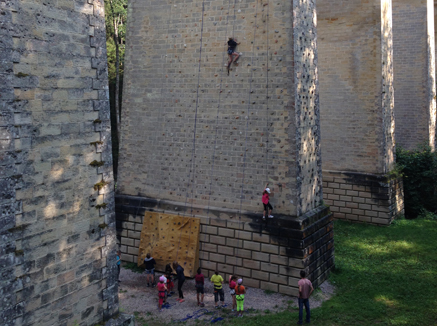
(363, 197)
(357, 107)
(414, 66)
(201, 137)
(57, 249)
(268, 255)
(350, 73)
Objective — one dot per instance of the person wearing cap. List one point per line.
(266, 202)
(240, 291)
(161, 292)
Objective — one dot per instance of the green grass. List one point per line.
(134, 268)
(383, 276)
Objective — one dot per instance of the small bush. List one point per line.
(419, 169)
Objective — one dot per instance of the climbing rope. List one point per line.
(247, 126)
(193, 157)
(164, 87)
(268, 97)
(218, 110)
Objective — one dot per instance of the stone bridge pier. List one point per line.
(201, 142)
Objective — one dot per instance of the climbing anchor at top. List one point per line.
(233, 55)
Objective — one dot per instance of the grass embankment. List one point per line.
(383, 276)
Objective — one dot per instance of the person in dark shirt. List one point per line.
(150, 263)
(181, 279)
(233, 55)
(170, 284)
(200, 282)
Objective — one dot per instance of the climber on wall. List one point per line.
(233, 56)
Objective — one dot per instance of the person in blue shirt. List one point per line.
(118, 264)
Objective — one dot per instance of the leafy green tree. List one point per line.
(116, 16)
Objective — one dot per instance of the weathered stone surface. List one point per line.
(57, 250)
(216, 138)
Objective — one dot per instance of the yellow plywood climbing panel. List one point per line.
(170, 238)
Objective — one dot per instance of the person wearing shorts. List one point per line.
(150, 263)
(200, 285)
(218, 289)
(240, 291)
(233, 55)
(266, 202)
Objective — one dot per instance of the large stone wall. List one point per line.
(57, 250)
(357, 101)
(206, 142)
(201, 137)
(414, 65)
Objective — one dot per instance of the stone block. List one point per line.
(226, 232)
(234, 225)
(209, 229)
(217, 258)
(263, 276)
(272, 249)
(250, 282)
(210, 265)
(217, 240)
(128, 242)
(251, 264)
(260, 238)
(272, 268)
(251, 245)
(218, 222)
(234, 261)
(269, 286)
(279, 260)
(242, 272)
(278, 279)
(208, 247)
(243, 253)
(243, 235)
(225, 250)
(260, 256)
(132, 251)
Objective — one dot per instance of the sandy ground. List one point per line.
(142, 301)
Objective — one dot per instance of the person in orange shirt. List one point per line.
(305, 290)
(240, 291)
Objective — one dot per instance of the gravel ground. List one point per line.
(139, 300)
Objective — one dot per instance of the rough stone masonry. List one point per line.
(57, 229)
(202, 143)
(358, 108)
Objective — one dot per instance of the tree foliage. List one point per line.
(115, 17)
(419, 169)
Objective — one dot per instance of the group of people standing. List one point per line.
(166, 284)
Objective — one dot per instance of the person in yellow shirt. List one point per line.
(218, 289)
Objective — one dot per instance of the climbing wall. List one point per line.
(206, 138)
(170, 238)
